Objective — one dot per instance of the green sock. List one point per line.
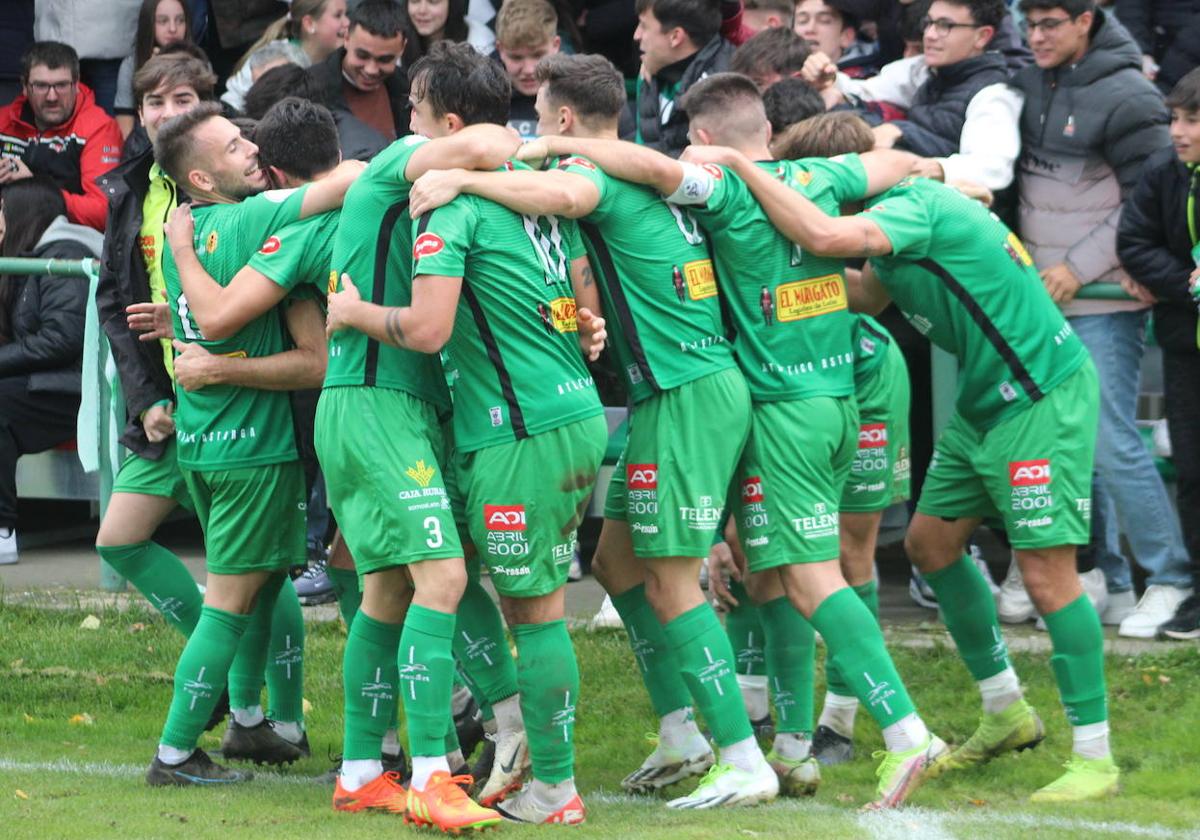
(705, 659)
(743, 625)
(485, 706)
(345, 586)
(426, 678)
(480, 646)
(161, 577)
(450, 737)
(655, 661)
(1078, 661)
(548, 676)
(969, 611)
(789, 645)
(369, 677)
(285, 663)
(855, 642)
(200, 675)
(834, 684)
(246, 672)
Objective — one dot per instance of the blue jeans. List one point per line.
(1128, 485)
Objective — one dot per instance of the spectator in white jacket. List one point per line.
(100, 32)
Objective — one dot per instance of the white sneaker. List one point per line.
(1118, 607)
(8, 546)
(1096, 588)
(725, 786)
(510, 768)
(981, 564)
(606, 618)
(1012, 604)
(1157, 606)
(667, 766)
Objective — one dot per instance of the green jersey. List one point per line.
(374, 246)
(515, 343)
(871, 342)
(788, 308)
(298, 256)
(965, 280)
(657, 281)
(223, 426)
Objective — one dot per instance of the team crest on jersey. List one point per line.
(427, 245)
(270, 246)
(421, 473)
(210, 244)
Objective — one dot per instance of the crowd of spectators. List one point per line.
(1081, 119)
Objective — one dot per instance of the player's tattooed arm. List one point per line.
(550, 193)
(424, 326)
(804, 223)
(592, 331)
(618, 158)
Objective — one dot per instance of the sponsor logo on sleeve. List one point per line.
(809, 298)
(427, 245)
(271, 245)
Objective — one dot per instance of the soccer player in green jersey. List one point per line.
(792, 338)
(236, 445)
(687, 428)
(1018, 447)
(528, 425)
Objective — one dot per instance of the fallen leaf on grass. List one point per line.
(978, 803)
(81, 719)
(29, 718)
(16, 663)
(90, 623)
(137, 627)
(1147, 679)
(1164, 679)
(20, 794)
(307, 707)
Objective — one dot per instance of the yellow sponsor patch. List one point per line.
(562, 313)
(809, 298)
(1015, 243)
(701, 279)
(333, 281)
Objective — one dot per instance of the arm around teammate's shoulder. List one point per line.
(329, 192)
(482, 146)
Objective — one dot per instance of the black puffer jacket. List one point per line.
(328, 78)
(935, 119)
(1155, 245)
(48, 314)
(1155, 24)
(123, 281)
(659, 123)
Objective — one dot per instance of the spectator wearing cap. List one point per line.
(56, 129)
(830, 27)
(364, 77)
(526, 32)
(961, 114)
(768, 14)
(770, 56)
(681, 44)
(1089, 121)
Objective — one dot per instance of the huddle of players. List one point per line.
(751, 387)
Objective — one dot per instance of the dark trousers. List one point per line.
(1181, 382)
(29, 422)
(100, 74)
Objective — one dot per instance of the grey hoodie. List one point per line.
(1085, 131)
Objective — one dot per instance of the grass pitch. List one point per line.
(80, 712)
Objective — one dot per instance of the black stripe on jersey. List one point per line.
(624, 316)
(882, 336)
(493, 351)
(1019, 371)
(383, 245)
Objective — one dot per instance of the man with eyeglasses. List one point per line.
(1090, 120)
(55, 128)
(961, 115)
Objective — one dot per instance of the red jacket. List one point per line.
(73, 154)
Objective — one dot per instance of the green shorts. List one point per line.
(671, 480)
(163, 477)
(881, 473)
(1033, 470)
(791, 477)
(525, 500)
(254, 518)
(387, 466)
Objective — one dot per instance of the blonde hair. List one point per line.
(825, 135)
(525, 23)
(287, 27)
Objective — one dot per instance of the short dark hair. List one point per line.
(383, 18)
(274, 85)
(1074, 8)
(912, 17)
(789, 101)
(173, 70)
(298, 137)
(589, 84)
(51, 55)
(719, 93)
(174, 147)
(1186, 94)
(700, 19)
(775, 50)
(983, 12)
(458, 80)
